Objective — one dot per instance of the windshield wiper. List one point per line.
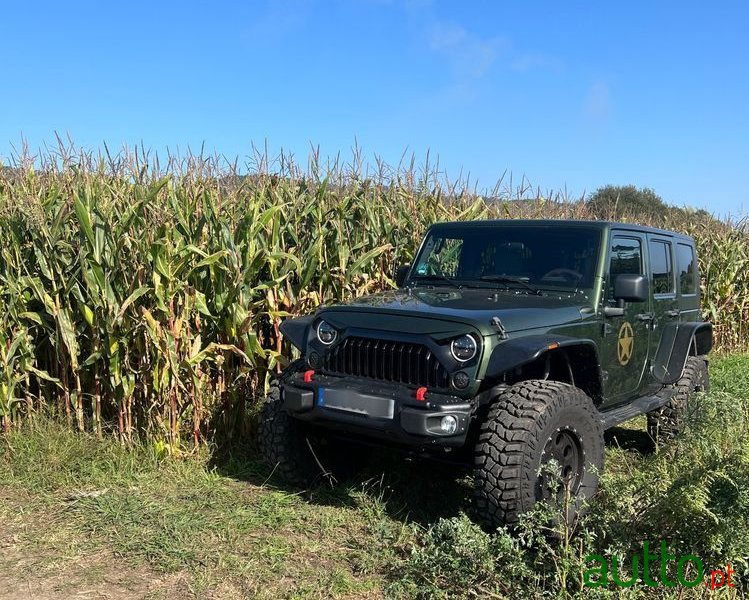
(433, 278)
(507, 279)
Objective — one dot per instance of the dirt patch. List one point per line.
(41, 561)
(41, 573)
(43, 557)
(77, 581)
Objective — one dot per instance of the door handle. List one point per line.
(645, 317)
(672, 313)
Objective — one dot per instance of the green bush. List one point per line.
(613, 202)
(692, 494)
(456, 559)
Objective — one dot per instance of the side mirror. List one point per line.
(631, 288)
(400, 274)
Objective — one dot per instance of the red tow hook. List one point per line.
(308, 376)
(421, 394)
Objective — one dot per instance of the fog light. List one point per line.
(448, 425)
(314, 360)
(461, 380)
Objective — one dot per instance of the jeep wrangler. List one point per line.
(509, 345)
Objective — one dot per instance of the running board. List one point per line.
(630, 410)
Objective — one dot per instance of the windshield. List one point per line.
(518, 257)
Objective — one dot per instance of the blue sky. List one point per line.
(567, 94)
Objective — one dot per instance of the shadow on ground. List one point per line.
(635, 440)
(408, 488)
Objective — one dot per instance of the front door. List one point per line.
(624, 349)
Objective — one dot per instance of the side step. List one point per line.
(635, 408)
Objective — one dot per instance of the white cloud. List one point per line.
(530, 62)
(468, 54)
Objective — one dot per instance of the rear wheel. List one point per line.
(529, 425)
(668, 421)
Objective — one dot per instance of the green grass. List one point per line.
(214, 526)
(176, 515)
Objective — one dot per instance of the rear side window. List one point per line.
(662, 278)
(687, 268)
(626, 258)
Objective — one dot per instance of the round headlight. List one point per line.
(326, 333)
(463, 348)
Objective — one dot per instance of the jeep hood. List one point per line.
(445, 311)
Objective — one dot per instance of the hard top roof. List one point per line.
(560, 222)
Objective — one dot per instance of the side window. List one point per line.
(686, 266)
(626, 258)
(662, 277)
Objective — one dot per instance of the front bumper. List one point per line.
(377, 409)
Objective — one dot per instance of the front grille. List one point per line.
(400, 362)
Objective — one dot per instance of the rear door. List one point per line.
(662, 286)
(626, 339)
(687, 281)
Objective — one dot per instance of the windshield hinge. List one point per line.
(501, 331)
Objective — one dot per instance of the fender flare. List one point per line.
(677, 340)
(296, 330)
(524, 350)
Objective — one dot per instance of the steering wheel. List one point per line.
(569, 274)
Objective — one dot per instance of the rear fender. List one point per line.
(678, 340)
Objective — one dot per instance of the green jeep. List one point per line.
(508, 344)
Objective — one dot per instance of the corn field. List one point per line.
(142, 300)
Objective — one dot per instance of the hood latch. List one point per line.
(501, 331)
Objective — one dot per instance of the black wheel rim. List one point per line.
(566, 448)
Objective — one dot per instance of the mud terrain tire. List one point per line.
(528, 424)
(668, 421)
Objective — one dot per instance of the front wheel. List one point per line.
(529, 425)
(300, 455)
(284, 443)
